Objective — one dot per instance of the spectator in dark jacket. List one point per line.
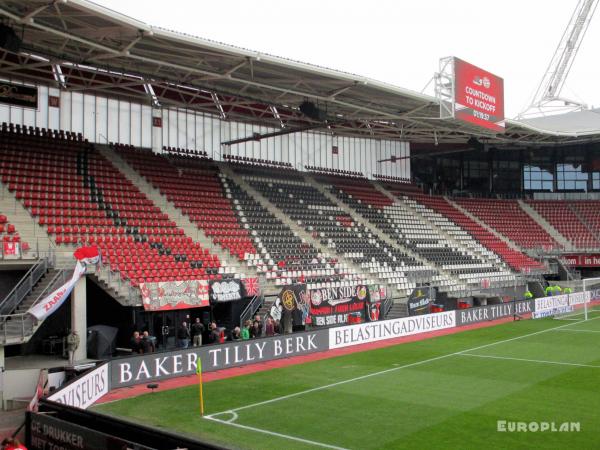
(136, 342)
(256, 330)
(214, 336)
(197, 331)
(183, 336)
(147, 343)
(270, 327)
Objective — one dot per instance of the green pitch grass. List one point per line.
(447, 392)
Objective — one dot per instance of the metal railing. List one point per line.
(24, 286)
(19, 326)
(386, 306)
(132, 294)
(256, 302)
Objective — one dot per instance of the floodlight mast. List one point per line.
(547, 99)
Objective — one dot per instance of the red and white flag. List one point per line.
(52, 302)
(87, 255)
(10, 249)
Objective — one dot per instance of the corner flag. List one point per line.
(199, 373)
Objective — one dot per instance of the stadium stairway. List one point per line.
(167, 207)
(476, 219)
(28, 229)
(265, 203)
(398, 309)
(376, 230)
(439, 230)
(558, 237)
(17, 332)
(31, 232)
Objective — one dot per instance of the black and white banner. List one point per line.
(420, 300)
(225, 291)
(46, 432)
(158, 366)
(85, 390)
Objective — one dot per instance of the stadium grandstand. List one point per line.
(150, 179)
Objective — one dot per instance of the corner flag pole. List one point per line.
(199, 373)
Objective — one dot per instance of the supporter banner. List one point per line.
(10, 250)
(52, 302)
(337, 315)
(337, 295)
(388, 329)
(46, 432)
(291, 296)
(478, 96)
(420, 300)
(493, 312)
(377, 294)
(225, 291)
(251, 287)
(85, 390)
(582, 260)
(18, 95)
(167, 295)
(158, 366)
(339, 305)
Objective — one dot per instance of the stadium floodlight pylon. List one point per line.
(547, 99)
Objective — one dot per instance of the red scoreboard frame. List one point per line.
(478, 96)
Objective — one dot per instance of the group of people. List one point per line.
(142, 343)
(256, 328)
(195, 332)
(193, 335)
(217, 335)
(555, 289)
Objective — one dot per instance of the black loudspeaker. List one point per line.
(9, 39)
(311, 110)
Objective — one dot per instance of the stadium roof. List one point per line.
(80, 46)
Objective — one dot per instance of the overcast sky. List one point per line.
(399, 42)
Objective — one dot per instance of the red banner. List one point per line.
(478, 96)
(168, 295)
(10, 250)
(582, 260)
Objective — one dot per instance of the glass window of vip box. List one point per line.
(538, 173)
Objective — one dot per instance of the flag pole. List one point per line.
(199, 373)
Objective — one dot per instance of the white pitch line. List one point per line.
(273, 433)
(581, 331)
(541, 361)
(393, 369)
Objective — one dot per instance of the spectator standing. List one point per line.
(256, 331)
(197, 332)
(246, 330)
(270, 327)
(72, 345)
(236, 335)
(214, 337)
(136, 342)
(183, 336)
(147, 343)
(277, 325)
